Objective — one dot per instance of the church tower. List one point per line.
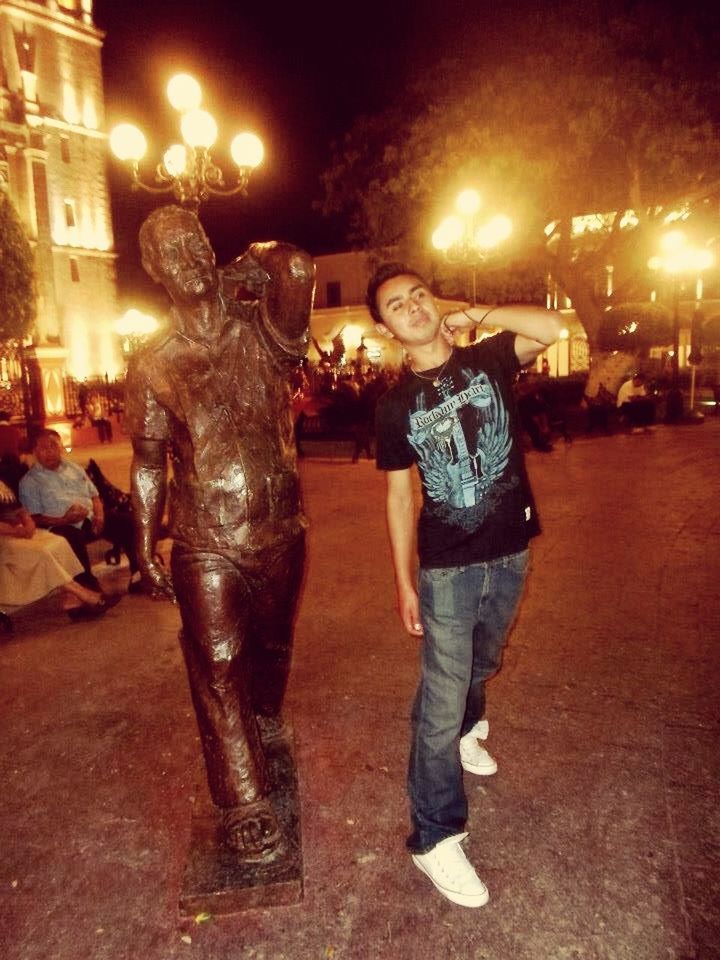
(53, 157)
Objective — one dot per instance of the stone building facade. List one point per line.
(53, 156)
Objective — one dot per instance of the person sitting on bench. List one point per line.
(34, 563)
(60, 497)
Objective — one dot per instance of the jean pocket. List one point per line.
(437, 590)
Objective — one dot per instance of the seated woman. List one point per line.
(34, 563)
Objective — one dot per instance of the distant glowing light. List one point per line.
(564, 334)
(672, 240)
(135, 323)
(247, 150)
(468, 202)
(184, 92)
(199, 129)
(448, 233)
(629, 219)
(175, 159)
(128, 142)
(493, 232)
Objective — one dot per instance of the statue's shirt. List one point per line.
(224, 411)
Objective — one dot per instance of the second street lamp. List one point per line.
(463, 241)
(679, 258)
(187, 169)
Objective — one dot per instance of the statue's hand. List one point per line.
(157, 583)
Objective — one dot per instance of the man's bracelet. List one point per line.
(482, 319)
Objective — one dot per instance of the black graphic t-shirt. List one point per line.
(463, 434)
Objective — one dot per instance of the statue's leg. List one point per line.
(214, 606)
(274, 607)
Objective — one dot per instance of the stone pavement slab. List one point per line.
(599, 838)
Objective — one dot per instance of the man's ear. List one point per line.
(384, 331)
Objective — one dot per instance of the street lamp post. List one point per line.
(463, 241)
(679, 258)
(187, 169)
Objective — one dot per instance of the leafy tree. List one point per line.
(560, 121)
(17, 278)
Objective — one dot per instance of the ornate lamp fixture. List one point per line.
(463, 241)
(187, 169)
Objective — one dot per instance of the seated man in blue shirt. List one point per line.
(60, 497)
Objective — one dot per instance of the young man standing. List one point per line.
(454, 416)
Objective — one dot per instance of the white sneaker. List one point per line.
(452, 873)
(473, 757)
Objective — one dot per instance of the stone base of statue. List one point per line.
(216, 882)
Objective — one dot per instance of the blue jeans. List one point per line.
(467, 613)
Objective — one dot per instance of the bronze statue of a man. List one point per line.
(212, 392)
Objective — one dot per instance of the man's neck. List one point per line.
(428, 356)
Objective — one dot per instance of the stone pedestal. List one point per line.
(216, 882)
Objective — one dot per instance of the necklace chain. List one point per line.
(436, 377)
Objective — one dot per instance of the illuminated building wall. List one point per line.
(53, 165)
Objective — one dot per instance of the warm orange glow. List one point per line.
(127, 142)
(468, 202)
(175, 159)
(184, 92)
(199, 129)
(448, 233)
(247, 150)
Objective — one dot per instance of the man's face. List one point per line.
(49, 452)
(408, 310)
(182, 259)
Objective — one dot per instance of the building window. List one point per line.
(333, 293)
(70, 213)
(29, 85)
(25, 49)
(74, 270)
(65, 149)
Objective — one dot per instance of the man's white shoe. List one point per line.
(473, 757)
(452, 873)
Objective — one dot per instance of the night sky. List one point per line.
(296, 77)
(295, 74)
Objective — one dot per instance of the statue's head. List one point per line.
(176, 252)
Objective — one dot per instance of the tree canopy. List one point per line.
(17, 278)
(559, 120)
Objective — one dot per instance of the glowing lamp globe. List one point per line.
(448, 233)
(493, 232)
(127, 142)
(247, 150)
(184, 92)
(175, 160)
(468, 202)
(199, 129)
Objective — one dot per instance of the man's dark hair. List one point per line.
(385, 272)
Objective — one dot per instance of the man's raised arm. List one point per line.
(536, 328)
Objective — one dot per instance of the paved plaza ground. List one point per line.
(599, 837)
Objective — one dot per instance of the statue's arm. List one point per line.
(282, 277)
(148, 479)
